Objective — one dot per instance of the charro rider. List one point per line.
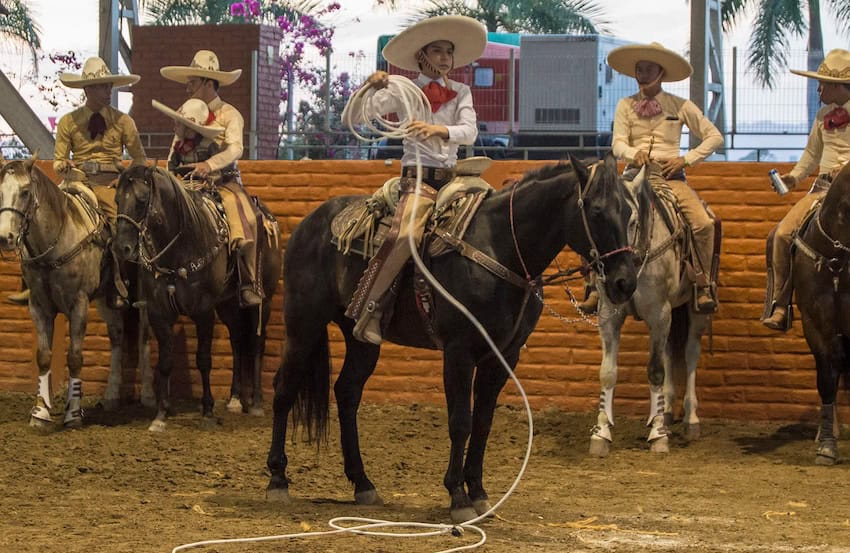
(829, 148)
(90, 141)
(202, 78)
(432, 48)
(648, 127)
(194, 137)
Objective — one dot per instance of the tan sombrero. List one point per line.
(835, 68)
(204, 64)
(96, 72)
(468, 36)
(624, 59)
(194, 113)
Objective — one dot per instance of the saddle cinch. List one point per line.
(362, 226)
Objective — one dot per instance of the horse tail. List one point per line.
(678, 340)
(311, 373)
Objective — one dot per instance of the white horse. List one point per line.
(664, 299)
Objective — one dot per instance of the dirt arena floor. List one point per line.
(115, 487)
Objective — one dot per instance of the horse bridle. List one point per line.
(596, 261)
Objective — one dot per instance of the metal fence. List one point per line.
(760, 124)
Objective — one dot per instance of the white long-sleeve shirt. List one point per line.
(633, 133)
(457, 115)
(827, 149)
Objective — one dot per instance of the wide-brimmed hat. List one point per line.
(468, 36)
(835, 68)
(624, 59)
(195, 114)
(95, 71)
(204, 64)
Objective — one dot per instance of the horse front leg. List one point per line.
(610, 323)
(163, 330)
(693, 349)
(457, 382)
(44, 321)
(657, 369)
(115, 328)
(490, 378)
(235, 403)
(205, 324)
(358, 366)
(77, 320)
(827, 376)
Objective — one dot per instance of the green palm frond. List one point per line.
(841, 10)
(769, 43)
(19, 27)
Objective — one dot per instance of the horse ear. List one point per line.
(611, 162)
(635, 184)
(579, 167)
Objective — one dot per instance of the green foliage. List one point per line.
(19, 27)
(216, 12)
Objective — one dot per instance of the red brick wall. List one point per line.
(155, 47)
(753, 372)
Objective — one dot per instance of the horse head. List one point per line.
(605, 214)
(17, 203)
(133, 197)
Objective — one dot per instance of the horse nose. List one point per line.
(7, 241)
(625, 287)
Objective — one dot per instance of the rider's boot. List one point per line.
(590, 304)
(368, 326)
(778, 320)
(246, 256)
(705, 300)
(19, 298)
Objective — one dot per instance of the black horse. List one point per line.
(180, 239)
(524, 225)
(821, 277)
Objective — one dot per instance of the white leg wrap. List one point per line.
(44, 389)
(75, 395)
(605, 419)
(656, 403)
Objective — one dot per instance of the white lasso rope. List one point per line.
(415, 105)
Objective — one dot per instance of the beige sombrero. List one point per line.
(194, 113)
(204, 64)
(468, 36)
(624, 59)
(96, 72)
(835, 68)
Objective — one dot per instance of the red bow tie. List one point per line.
(438, 95)
(836, 119)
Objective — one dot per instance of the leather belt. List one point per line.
(91, 167)
(433, 176)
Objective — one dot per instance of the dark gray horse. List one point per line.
(61, 237)
(180, 240)
(522, 226)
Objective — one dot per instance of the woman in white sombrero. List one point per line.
(432, 48)
(195, 129)
(648, 127)
(203, 77)
(93, 137)
(828, 148)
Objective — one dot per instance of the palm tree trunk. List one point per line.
(815, 57)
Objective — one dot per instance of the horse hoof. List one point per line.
(40, 424)
(73, 424)
(278, 495)
(209, 423)
(599, 447)
(369, 497)
(481, 506)
(826, 456)
(465, 514)
(661, 445)
(256, 412)
(234, 405)
(157, 426)
(692, 431)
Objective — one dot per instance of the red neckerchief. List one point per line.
(97, 125)
(438, 95)
(647, 107)
(836, 119)
(185, 146)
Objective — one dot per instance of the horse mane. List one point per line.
(187, 201)
(49, 195)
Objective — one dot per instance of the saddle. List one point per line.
(362, 226)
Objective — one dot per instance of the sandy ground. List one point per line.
(113, 486)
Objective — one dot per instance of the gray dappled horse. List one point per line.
(821, 280)
(523, 225)
(663, 299)
(62, 238)
(180, 240)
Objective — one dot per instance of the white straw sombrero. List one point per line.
(624, 58)
(468, 36)
(194, 113)
(204, 64)
(96, 72)
(835, 68)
